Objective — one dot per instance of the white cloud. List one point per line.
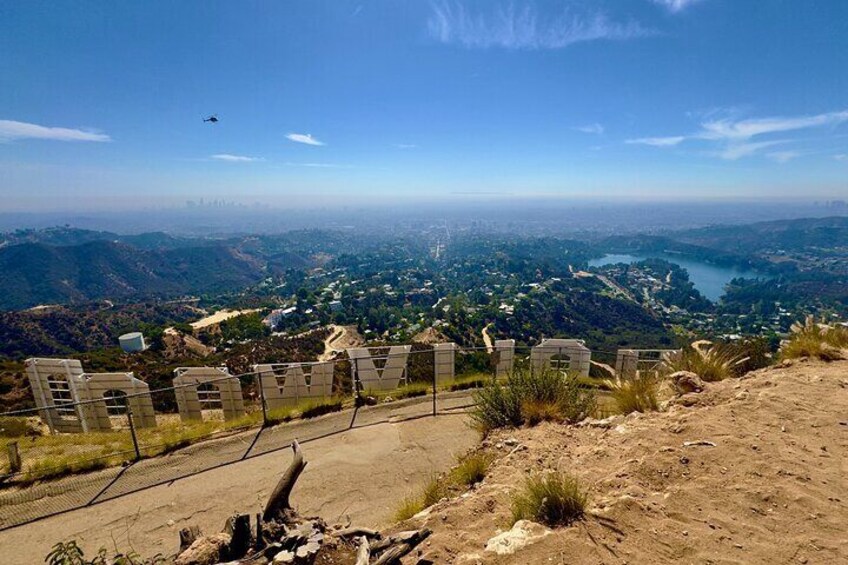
(406, 146)
(235, 158)
(304, 138)
(734, 137)
(513, 28)
(734, 151)
(596, 129)
(657, 141)
(11, 130)
(675, 5)
(783, 156)
(746, 129)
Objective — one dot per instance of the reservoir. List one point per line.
(709, 279)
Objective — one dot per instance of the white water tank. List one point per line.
(132, 342)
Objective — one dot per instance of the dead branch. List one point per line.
(355, 532)
(278, 502)
(399, 545)
(363, 554)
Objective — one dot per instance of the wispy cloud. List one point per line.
(675, 6)
(841, 157)
(304, 138)
(234, 158)
(657, 141)
(11, 130)
(596, 129)
(523, 28)
(405, 145)
(746, 129)
(783, 156)
(736, 138)
(736, 150)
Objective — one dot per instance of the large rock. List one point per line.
(207, 550)
(686, 382)
(523, 533)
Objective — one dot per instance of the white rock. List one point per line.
(523, 533)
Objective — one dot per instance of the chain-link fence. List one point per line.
(94, 438)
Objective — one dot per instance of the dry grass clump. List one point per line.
(471, 469)
(815, 340)
(638, 394)
(710, 361)
(555, 499)
(528, 397)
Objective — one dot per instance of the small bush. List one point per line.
(556, 499)
(711, 362)
(69, 553)
(638, 394)
(409, 507)
(471, 469)
(530, 397)
(815, 340)
(537, 411)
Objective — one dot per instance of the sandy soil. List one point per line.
(219, 317)
(363, 474)
(773, 489)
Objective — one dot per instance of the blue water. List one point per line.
(710, 280)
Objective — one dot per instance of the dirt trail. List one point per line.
(773, 489)
(340, 338)
(362, 473)
(487, 340)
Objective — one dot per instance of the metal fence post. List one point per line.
(132, 432)
(258, 378)
(435, 370)
(14, 457)
(357, 385)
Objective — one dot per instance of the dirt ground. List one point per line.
(363, 473)
(772, 490)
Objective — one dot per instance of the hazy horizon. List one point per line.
(527, 216)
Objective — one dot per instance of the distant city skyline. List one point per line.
(349, 102)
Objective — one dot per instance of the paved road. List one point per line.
(379, 430)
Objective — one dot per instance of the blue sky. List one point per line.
(101, 104)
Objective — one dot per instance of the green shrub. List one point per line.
(69, 553)
(530, 397)
(637, 394)
(555, 499)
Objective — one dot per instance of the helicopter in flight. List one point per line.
(213, 119)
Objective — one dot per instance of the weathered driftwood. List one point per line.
(281, 535)
(356, 532)
(187, 537)
(238, 527)
(363, 553)
(399, 545)
(278, 502)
